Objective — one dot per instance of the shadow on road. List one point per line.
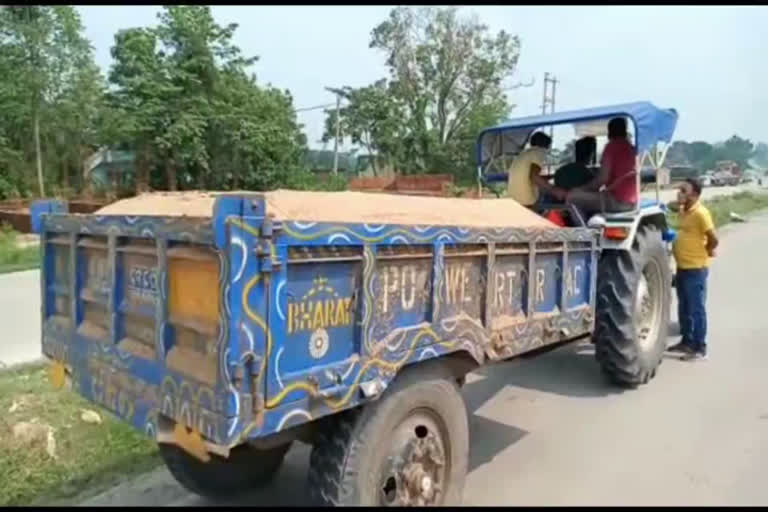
(568, 371)
(288, 489)
(488, 438)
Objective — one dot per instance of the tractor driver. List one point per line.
(617, 170)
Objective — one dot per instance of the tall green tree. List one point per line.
(197, 51)
(446, 77)
(141, 81)
(193, 111)
(679, 154)
(257, 142)
(701, 155)
(46, 51)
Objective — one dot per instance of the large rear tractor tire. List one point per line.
(633, 297)
(409, 448)
(245, 469)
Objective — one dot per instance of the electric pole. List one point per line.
(549, 100)
(338, 131)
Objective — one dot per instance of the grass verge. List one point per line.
(87, 456)
(742, 203)
(14, 258)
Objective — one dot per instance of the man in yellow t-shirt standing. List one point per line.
(695, 245)
(524, 179)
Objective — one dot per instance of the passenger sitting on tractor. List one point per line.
(617, 170)
(524, 176)
(577, 173)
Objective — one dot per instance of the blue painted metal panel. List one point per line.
(510, 290)
(548, 279)
(402, 294)
(577, 279)
(325, 234)
(317, 324)
(44, 207)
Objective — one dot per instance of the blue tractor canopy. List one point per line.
(651, 127)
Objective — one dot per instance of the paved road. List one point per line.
(707, 193)
(20, 317)
(548, 431)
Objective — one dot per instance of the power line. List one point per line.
(316, 107)
(328, 105)
(520, 85)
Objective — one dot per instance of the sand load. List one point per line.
(348, 207)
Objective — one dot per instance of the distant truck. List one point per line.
(727, 173)
(230, 332)
(725, 179)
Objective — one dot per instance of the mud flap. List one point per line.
(190, 441)
(58, 376)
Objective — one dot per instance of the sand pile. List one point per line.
(344, 207)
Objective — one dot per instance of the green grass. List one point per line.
(742, 203)
(89, 457)
(14, 258)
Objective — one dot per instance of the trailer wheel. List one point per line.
(409, 448)
(245, 469)
(633, 296)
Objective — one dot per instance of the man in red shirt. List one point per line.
(614, 189)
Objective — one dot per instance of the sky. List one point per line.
(708, 62)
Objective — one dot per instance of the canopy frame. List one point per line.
(653, 130)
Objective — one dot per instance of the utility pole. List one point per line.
(338, 132)
(549, 100)
(549, 79)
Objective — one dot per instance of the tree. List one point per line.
(192, 108)
(370, 118)
(198, 52)
(74, 126)
(736, 149)
(446, 76)
(142, 82)
(257, 142)
(760, 157)
(28, 32)
(51, 63)
(701, 155)
(679, 154)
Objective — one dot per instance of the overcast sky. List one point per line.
(707, 62)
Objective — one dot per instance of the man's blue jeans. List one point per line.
(691, 307)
